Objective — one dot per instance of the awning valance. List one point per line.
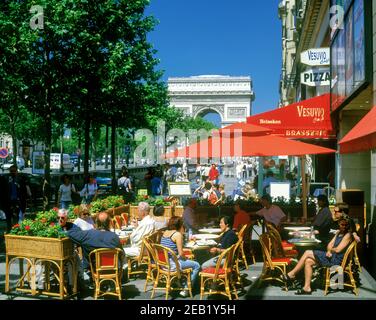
(307, 119)
(362, 137)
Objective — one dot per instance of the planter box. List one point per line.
(38, 247)
(132, 211)
(178, 211)
(118, 210)
(168, 211)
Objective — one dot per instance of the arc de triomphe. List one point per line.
(230, 97)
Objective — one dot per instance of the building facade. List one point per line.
(347, 28)
(230, 97)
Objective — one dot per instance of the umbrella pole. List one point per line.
(260, 176)
(304, 188)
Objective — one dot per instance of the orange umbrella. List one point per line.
(245, 129)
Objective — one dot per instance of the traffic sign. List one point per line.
(3, 153)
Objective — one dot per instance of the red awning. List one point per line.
(362, 137)
(246, 146)
(307, 119)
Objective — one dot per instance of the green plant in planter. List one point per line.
(162, 202)
(98, 206)
(47, 216)
(114, 201)
(73, 211)
(37, 228)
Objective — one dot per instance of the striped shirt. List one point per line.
(169, 243)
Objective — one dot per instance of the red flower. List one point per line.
(16, 226)
(52, 224)
(55, 209)
(27, 228)
(145, 197)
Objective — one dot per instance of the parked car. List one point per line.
(20, 164)
(104, 181)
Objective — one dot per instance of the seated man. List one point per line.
(101, 237)
(241, 216)
(271, 213)
(142, 229)
(228, 238)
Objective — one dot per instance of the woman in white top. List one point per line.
(90, 190)
(84, 221)
(65, 192)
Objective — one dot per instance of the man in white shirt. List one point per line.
(144, 227)
(270, 212)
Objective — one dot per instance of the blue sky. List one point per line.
(237, 38)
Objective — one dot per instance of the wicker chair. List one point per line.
(152, 265)
(104, 265)
(280, 249)
(136, 264)
(241, 234)
(346, 268)
(167, 274)
(273, 267)
(221, 274)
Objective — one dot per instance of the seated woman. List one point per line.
(84, 220)
(173, 238)
(331, 257)
(228, 238)
(160, 222)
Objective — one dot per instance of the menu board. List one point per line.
(179, 189)
(280, 189)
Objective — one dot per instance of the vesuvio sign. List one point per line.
(316, 78)
(316, 57)
(307, 119)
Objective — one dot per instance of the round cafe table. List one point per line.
(303, 244)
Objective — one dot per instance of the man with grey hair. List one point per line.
(143, 227)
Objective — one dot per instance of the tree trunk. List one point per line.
(80, 151)
(87, 145)
(61, 150)
(106, 150)
(47, 152)
(113, 148)
(14, 142)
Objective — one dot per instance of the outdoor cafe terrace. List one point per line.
(253, 283)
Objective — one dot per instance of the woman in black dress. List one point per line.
(333, 256)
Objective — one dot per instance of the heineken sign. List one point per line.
(316, 77)
(316, 57)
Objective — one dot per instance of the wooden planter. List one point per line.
(178, 211)
(117, 211)
(168, 211)
(132, 211)
(38, 247)
(49, 252)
